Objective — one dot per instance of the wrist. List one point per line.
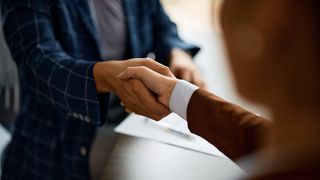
(101, 77)
(171, 83)
(180, 98)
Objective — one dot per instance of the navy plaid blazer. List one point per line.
(55, 46)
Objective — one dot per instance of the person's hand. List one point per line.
(138, 99)
(159, 84)
(182, 66)
(132, 93)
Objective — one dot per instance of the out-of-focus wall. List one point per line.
(198, 22)
(191, 14)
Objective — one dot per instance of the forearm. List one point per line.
(230, 128)
(64, 82)
(54, 77)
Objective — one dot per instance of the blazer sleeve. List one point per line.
(230, 128)
(166, 35)
(58, 79)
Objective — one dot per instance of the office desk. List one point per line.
(140, 159)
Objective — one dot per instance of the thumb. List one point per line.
(124, 75)
(130, 73)
(164, 100)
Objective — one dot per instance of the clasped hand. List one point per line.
(143, 85)
(160, 81)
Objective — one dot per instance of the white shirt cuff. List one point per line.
(180, 98)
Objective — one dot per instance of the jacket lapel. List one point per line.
(130, 10)
(86, 17)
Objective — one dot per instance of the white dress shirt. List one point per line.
(180, 98)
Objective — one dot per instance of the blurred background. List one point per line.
(196, 24)
(190, 14)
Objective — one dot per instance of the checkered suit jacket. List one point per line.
(55, 46)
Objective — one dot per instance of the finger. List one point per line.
(198, 80)
(132, 72)
(152, 104)
(201, 84)
(153, 116)
(150, 78)
(148, 113)
(122, 104)
(186, 75)
(128, 110)
(162, 69)
(152, 64)
(157, 117)
(160, 109)
(176, 72)
(141, 101)
(148, 99)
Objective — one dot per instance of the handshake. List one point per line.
(143, 85)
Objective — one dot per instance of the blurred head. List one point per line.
(273, 50)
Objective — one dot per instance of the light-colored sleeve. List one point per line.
(180, 98)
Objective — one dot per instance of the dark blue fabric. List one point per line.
(55, 45)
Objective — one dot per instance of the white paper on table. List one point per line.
(142, 127)
(5, 138)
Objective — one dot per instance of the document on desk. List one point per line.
(5, 138)
(171, 130)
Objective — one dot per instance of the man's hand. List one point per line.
(159, 84)
(182, 66)
(105, 73)
(133, 93)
